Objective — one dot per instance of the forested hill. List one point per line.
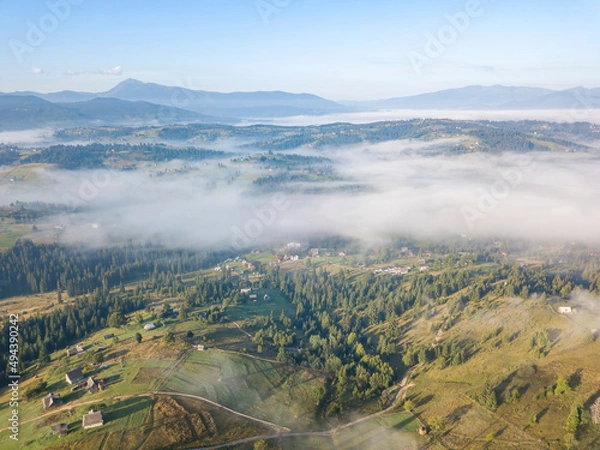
(94, 156)
(29, 268)
(518, 136)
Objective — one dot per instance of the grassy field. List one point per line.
(497, 340)
(148, 422)
(390, 432)
(26, 305)
(260, 307)
(267, 390)
(11, 232)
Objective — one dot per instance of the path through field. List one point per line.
(404, 385)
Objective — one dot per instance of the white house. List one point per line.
(149, 326)
(565, 310)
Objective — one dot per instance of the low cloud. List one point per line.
(408, 187)
(115, 71)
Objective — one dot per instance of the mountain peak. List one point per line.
(130, 82)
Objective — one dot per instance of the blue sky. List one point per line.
(347, 49)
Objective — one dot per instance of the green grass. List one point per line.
(260, 307)
(10, 234)
(248, 385)
(393, 432)
(123, 415)
(496, 338)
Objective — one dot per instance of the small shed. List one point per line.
(61, 429)
(149, 326)
(92, 386)
(51, 400)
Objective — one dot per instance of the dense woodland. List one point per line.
(93, 156)
(29, 268)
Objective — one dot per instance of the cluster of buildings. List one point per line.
(75, 378)
(403, 270)
(287, 257)
(252, 295)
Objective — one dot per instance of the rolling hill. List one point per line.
(27, 112)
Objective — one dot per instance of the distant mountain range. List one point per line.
(490, 97)
(135, 103)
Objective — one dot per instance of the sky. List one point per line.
(342, 50)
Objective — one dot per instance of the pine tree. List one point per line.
(562, 386)
(574, 419)
(488, 397)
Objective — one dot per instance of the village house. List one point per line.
(75, 350)
(149, 326)
(565, 310)
(253, 297)
(92, 419)
(60, 428)
(246, 291)
(199, 347)
(74, 375)
(267, 298)
(109, 335)
(51, 400)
